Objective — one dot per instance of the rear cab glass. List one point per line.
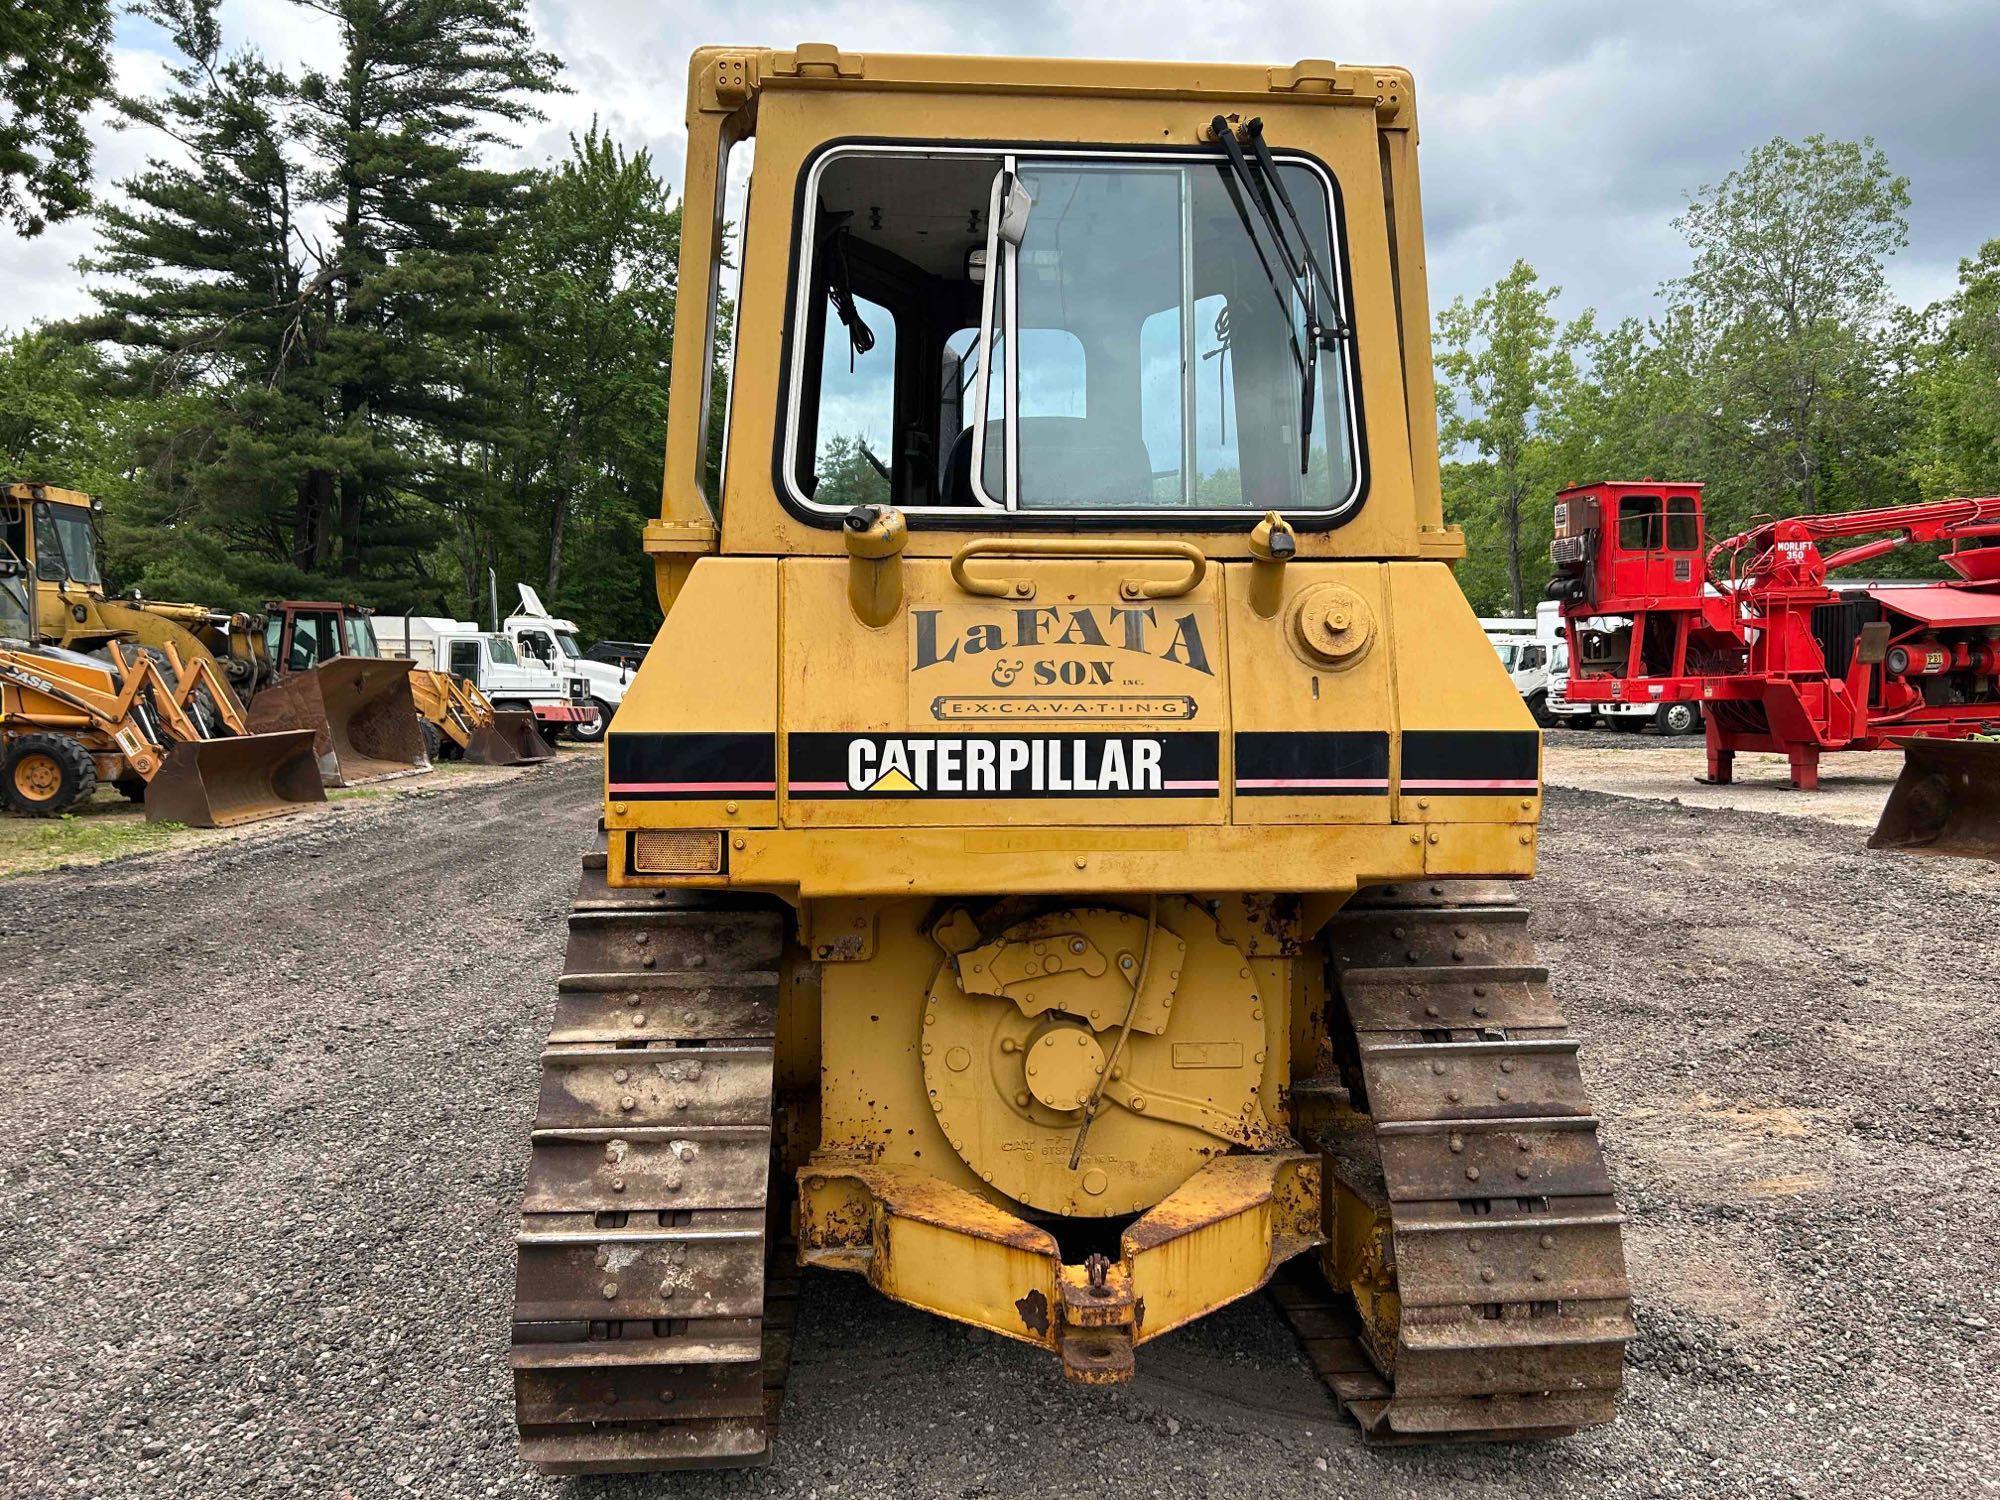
(1130, 348)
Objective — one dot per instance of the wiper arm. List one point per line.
(1257, 180)
(1330, 334)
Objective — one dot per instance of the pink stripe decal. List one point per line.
(633, 788)
(817, 786)
(1471, 785)
(1184, 786)
(1366, 784)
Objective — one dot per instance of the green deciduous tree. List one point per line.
(1955, 385)
(1507, 367)
(559, 489)
(55, 63)
(1786, 308)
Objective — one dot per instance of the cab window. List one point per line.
(1683, 524)
(361, 637)
(465, 660)
(1639, 523)
(1129, 344)
(65, 545)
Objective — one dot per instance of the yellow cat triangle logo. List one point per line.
(894, 781)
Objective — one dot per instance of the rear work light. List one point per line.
(676, 851)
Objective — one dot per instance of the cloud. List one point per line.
(1565, 132)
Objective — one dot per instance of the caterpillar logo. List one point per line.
(1002, 765)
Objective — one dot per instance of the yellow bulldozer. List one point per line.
(70, 721)
(1064, 850)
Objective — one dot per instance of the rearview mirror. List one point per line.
(1015, 205)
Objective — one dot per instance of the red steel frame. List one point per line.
(1737, 634)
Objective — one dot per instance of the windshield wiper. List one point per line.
(1256, 179)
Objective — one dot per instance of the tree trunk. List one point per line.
(350, 526)
(1513, 514)
(313, 499)
(556, 544)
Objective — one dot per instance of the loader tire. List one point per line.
(433, 740)
(649, 1332)
(1489, 1302)
(45, 775)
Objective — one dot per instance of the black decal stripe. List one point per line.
(817, 765)
(1471, 762)
(684, 767)
(1338, 764)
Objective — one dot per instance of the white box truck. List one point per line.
(560, 702)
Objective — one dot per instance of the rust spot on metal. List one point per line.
(1034, 1311)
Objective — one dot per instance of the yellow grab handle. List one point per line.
(1078, 547)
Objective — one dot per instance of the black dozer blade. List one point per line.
(220, 783)
(361, 714)
(1947, 801)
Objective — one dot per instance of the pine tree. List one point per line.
(315, 262)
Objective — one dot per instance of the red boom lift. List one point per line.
(1779, 657)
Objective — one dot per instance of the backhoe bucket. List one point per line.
(220, 783)
(361, 714)
(517, 730)
(1947, 801)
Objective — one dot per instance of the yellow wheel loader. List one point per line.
(69, 722)
(333, 680)
(54, 532)
(470, 728)
(1065, 848)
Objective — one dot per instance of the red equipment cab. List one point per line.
(1623, 548)
(1632, 584)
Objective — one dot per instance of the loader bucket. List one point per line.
(522, 736)
(220, 783)
(1947, 801)
(361, 713)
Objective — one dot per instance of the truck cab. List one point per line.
(540, 637)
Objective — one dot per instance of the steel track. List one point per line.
(1498, 1306)
(648, 1332)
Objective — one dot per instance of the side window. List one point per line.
(1683, 526)
(1531, 658)
(465, 660)
(537, 645)
(892, 282)
(1639, 523)
(14, 532)
(274, 631)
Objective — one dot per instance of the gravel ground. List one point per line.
(267, 1108)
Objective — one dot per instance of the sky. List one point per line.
(1564, 132)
